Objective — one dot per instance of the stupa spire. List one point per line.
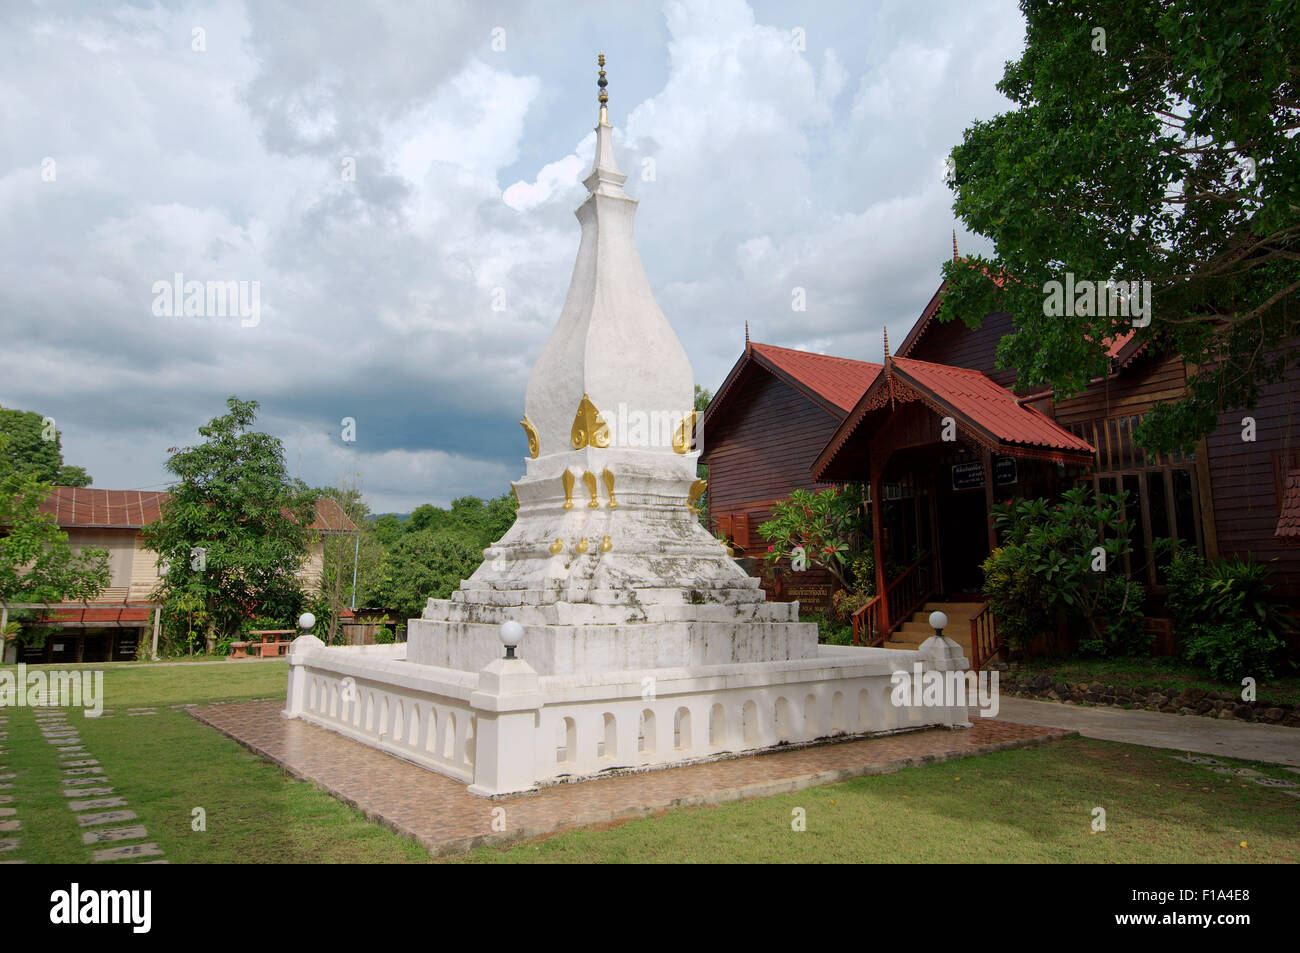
(604, 96)
(612, 352)
(605, 177)
(954, 244)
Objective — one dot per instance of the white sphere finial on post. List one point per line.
(306, 621)
(511, 634)
(938, 620)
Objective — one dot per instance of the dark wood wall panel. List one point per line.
(1136, 391)
(1243, 478)
(766, 447)
(955, 344)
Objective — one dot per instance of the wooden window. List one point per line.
(740, 530)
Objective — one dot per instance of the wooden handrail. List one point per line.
(985, 639)
(901, 598)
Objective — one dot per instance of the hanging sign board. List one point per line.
(970, 476)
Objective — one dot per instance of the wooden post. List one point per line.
(989, 477)
(877, 543)
(157, 617)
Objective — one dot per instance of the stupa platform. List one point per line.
(506, 728)
(440, 814)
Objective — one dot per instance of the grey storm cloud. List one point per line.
(399, 179)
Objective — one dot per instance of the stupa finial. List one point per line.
(954, 244)
(886, 345)
(602, 83)
(746, 334)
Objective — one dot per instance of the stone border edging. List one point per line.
(1191, 701)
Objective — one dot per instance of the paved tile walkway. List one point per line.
(1275, 744)
(441, 815)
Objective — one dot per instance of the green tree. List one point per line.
(388, 529)
(36, 562)
(1151, 141)
(424, 565)
(702, 398)
(234, 530)
(35, 447)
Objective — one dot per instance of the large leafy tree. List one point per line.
(35, 448)
(36, 562)
(234, 531)
(425, 564)
(1151, 141)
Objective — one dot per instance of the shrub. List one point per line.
(823, 526)
(384, 636)
(1018, 596)
(831, 631)
(1233, 650)
(1224, 612)
(1068, 557)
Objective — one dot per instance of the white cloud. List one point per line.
(416, 296)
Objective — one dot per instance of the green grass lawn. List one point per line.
(1030, 805)
(168, 764)
(1025, 805)
(1157, 674)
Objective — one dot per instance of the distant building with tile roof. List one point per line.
(113, 625)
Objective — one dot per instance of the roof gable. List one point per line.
(832, 383)
(984, 409)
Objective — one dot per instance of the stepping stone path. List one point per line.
(86, 787)
(1219, 767)
(9, 822)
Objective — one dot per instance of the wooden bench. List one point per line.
(267, 644)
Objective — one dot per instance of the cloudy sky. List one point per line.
(399, 180)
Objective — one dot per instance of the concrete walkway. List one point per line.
(1213, 736)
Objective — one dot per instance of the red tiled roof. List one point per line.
(987, 410)
(838, 379)
(991, 406)
(1288, 521)
(132, 509)
(117, 509)
(94, 614)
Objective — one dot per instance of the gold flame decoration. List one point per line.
(534, 444)
(697, 491)
(685, 431)
(589, 428)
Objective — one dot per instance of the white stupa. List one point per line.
(640, 641)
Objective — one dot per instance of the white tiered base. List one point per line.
(506, 728)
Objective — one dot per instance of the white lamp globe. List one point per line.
(306, 621)
(511, 633)
(938, 621)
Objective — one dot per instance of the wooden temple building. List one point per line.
(924, 430)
